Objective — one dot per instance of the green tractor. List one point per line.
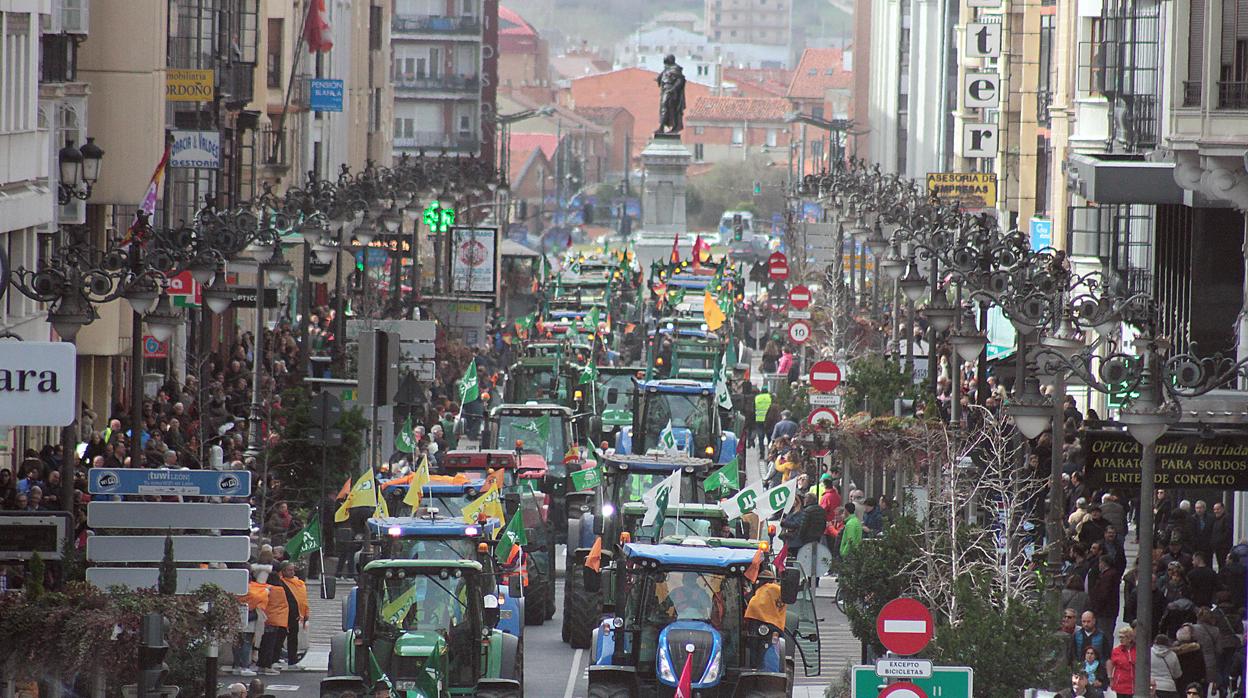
(615, 388)
(429, 627)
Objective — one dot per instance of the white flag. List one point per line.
(723, 397)
(744, 501)
(778, 499)
(667, 492)
(667, 438)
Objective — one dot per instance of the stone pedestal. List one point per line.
(666, 159)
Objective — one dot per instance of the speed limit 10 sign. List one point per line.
(799, 331)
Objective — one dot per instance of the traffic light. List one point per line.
(152, 651)
(738, 227)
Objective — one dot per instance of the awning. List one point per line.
(1123, 179)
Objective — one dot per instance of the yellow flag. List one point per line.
(420, 478)
(363, 494)
(710, 310)
(489, 503)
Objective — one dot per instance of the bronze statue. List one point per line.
(671, 97)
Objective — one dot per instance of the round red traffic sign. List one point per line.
(799, 331)
(825, 376)
(904, 626)
(823, 414)
(799, 297)
(905, 689)
(778, 266)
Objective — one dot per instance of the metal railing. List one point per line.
(1191, 93)
(273, 152)
(446, 83)
(237, 82)
(1044, 101)
(408, 24)
(1232, 95)
(437, 140)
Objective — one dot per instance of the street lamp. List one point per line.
(912, 282)
(218, 297)
(1029, 408)
(163, 320)
(276, 269)
(79, 170)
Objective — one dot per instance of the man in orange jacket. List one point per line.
(287, 609)
(257, 597)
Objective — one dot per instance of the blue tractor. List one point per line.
(689, 408)
(672, 602)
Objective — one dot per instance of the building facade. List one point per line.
(760, 22)
(723, 129)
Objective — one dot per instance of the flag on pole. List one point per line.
(593, 561)
(667, 437)
(723, 396)
(316, 31)
(527, 322)
(711, 311)
(586, 479)
(512, 538)
(362, 494)
(726, 478)
(658, 498)
(307, 540)
(675, 256)
(415, 489)
(405, 440)
(589, 374)
(684, 688)
(756, 566)
(346, 489)
(488, 503)
(761, 501)
(148, 206)
(701, 251)
(539, 427)
(467, 386)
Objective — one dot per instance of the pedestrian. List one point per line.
(1088, 635)
(1202, 582)
(851, 536)
(1221, 530)
(762, 404)
(872, 518)
(1122, 665)
(1164, 667)
(287, 610)
(1113, 512)
(1103, 596)
(814, 522)
(256, 599)
(1079, 688)
(785, 427)
(1094, 668)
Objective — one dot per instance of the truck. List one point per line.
(430, 627)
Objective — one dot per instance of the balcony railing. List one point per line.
(1233, 95)
(237, 82)
(1191, 93)
(1044, 101)
(436, 140)
(273, 143)
(409, 24)
(444, 83)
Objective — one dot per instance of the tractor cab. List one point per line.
(615, 390)
(430, 627)
(532, 378)
(477, 465)
(693, 520)
(677, 415)
(674, 602)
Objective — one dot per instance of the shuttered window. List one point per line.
(1196, 42)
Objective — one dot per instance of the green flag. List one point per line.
(512, 537)
(726, 478)
(527, 322)
(405, 441)
(723, 396)
(467, 386)
(676, 297)
(307, 540)
(657, 499)
(589, 374)
(539, 427)
(586, 479)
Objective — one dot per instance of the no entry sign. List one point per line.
(904, 689)
(825, 376)
(799, 331)
(823, 414)
(799, 297)
(904, 626)
(778, 266)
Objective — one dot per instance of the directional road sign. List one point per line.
(799, 297)
(825, 376)
(823, 414)
(945, 682)
(799, 331)
(778, 266)
(904, 626)
(163, 515)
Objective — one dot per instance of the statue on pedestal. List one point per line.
(671, 97)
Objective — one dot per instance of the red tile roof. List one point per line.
(603, 116)
(758, 82)
(511, 23)
(820, 70)
(738, 109)
(525, 143)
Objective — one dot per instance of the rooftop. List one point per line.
(738, 109)
(820, 70)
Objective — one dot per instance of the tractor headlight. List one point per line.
(608, 510)
(665, 665)
(712, 670)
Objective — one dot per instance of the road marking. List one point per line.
(905, 626)
(572, 676)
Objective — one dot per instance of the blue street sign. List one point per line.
(377, 256)
(326, 95)
(202, 483)
(1041, 233)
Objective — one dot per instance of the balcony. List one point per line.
(412, 26)
(274, 152)
(1191, 93)
(436, 140)
(1233, 95)
(458, 84)
(236, 82)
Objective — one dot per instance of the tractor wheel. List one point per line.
(581, 609)
(608, 690)
(338, 647)
(498, 693)
(535, 599)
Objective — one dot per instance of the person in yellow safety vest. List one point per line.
(762, 403)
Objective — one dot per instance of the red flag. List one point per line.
(594, 560)
(675, 258)
(684, 689)
(701, 251)
(316, 28)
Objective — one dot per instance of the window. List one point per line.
(273, 57)
(698, 152)
(470, 8)
(813, 72)
(17, 106)
(738, 135)
(465, 125)
(704, 70)
(374, 28)
(771, 138)
(699, 130)
(817, 111)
